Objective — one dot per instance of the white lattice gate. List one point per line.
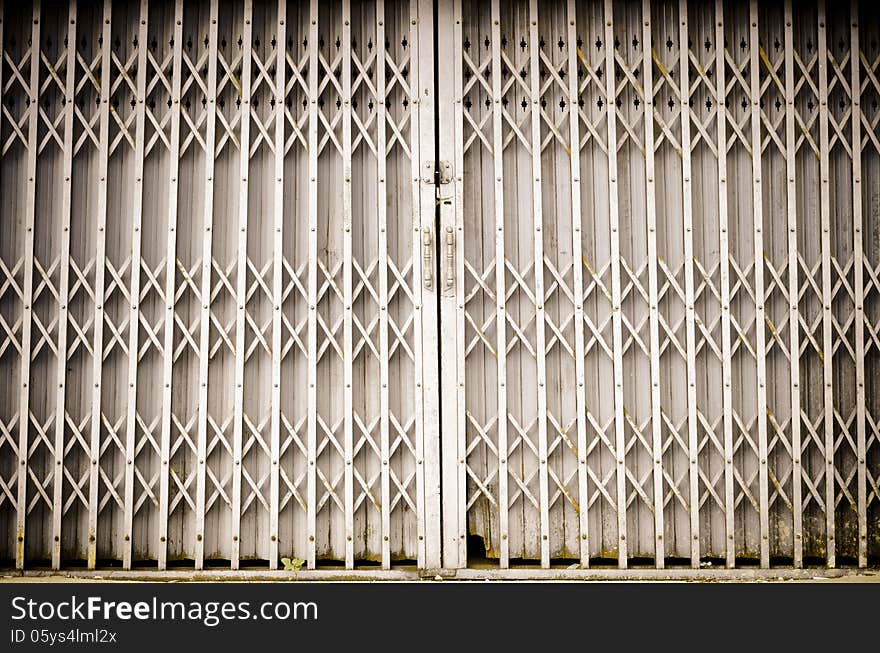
(661, 309)
(215, 308)
(268, 285)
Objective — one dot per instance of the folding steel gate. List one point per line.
(215, 299)
(661, 310)
(268, 283)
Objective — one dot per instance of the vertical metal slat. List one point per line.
(827, 317)
(578, 283)
(348, 418)
(241, 268)
(63, 282)
(500, 283)
(653, 326)
(617, 336)
(858, 281)
(205, 294)
(724, 253)
(312, 423)
(793, 266)
(277, 279)
(170, 287)
(690, 328)
(459, 527)
(421, 185)
(538, 270)
(382, 219)
(24, 415)
(760, 323)
(100, 255)
(137, 199)
(426, 336)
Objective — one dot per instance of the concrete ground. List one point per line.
(468, 575)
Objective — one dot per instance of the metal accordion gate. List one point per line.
(661, 307)
(439, 285)
(212, 278)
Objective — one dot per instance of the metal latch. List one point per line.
(450, 258)
(439, 172)
(428, 257)
(444, 172)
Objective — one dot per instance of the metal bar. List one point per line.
(382, 217)
(100, 255)
(347, 284)
(461, 252)
(241, 268)
(205, 295)
(653, 326)
(538, 270)
(426, 335)
(690, 328)
(24, 419)
(724, 264)
(858, 280)
(793, 289)
(500, 283)
(170, 286)
(63, 283)
(422, 261)
(277, 281)
(137, 198)
(760, 320)
(455, 520)
(578, 283)
(423, 266)
(450, 123)
(616, 327)
(312, 423)
(827, 317)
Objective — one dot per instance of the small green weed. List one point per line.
(293, 564)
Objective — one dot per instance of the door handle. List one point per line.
(450, 258)
(427, 257)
